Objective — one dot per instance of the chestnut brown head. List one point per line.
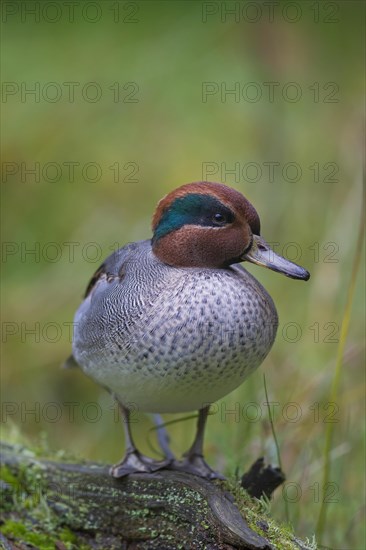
(208, 224)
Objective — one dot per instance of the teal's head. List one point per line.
(208, 224)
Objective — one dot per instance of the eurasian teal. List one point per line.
(174, 323)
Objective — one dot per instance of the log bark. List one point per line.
(165, 510)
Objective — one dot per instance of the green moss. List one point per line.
(21, 532)
(67, 537)
(257, 515)
(7, 476)
(39, 536)
(24, 497)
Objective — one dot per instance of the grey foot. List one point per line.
(195, 464)
(134, 463)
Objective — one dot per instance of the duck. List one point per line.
(174, 323)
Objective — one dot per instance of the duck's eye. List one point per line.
(219, 219)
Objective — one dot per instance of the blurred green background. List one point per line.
(151, 111)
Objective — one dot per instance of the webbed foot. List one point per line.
(196, 465)
(134, 462)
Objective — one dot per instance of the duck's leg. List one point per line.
(133, 461)
(193, 461)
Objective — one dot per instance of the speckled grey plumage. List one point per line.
(172, 339)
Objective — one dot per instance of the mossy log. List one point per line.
(165, 510)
